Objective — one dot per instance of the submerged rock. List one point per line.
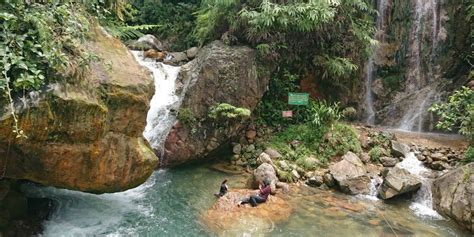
(86, 136)
(226, 218)
(396, 182)
(453, 195)
(219, 74)
(350, 174)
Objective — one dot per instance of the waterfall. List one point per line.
(161, 116)
(422, 203)
(421, 82)
(370, 68)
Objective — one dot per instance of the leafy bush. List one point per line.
(469, 155)
(226, 111)
(186, 116)
(457, 113)
(349, 113)
(375, 153)
(323, 143)
(323, 114)
(174, 20)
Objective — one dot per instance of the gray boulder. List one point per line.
(350, 175)
(264, 172)
(453, 195)
(399, 149)
(192, 52)
(388, 161)
(264, 158)
(273, 153)
(398, 181)
(176, 58)
(147, 42)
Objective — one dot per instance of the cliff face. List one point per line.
(84, 134)
(421, 57)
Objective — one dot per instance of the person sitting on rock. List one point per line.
(223, 189)
(262, 196)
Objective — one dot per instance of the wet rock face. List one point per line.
(396, 182)
(225, 218)
(350, 175)
(20, 215)
(453, 195)
(219, 74)
(86, 136)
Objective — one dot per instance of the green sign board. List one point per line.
(298, 98)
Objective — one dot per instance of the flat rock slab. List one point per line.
(226, 218)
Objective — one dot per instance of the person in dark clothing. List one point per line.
(223, 189)
(262, 196)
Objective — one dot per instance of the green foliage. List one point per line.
(469, 155)
(393, 83)
(457, 113)
(375, 153)
(285, 176)
(175, 20)
(324, 142)
(186, 117)
(323, 114)
(34, 49)
(226, 111)
(214, 18)
(349, 113)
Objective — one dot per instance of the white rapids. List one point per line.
(160, 117)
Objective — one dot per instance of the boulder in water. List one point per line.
(398, 181)
(226, 218)
(453, 195)
(86, 136)
(147, 42)
(350, 174)
(399, 149)
(176, 58)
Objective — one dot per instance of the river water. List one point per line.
(170, 203)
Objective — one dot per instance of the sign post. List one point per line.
(298, 98)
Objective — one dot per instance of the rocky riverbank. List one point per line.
(387, 166)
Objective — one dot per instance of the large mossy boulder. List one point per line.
(85, 133)
(220, 74)
(350, 175)
(453, 195)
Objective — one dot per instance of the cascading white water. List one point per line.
(160, 117)
(422, 203)
(370, 68)
(419, 78)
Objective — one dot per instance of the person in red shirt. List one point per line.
(262, 196)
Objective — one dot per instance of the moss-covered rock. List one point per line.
(85, 133)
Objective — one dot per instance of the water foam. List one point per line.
(422, 203)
